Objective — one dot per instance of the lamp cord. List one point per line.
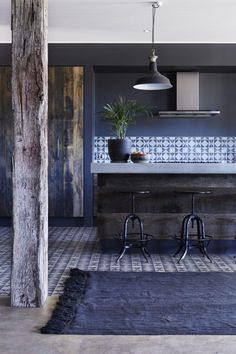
(155, 6)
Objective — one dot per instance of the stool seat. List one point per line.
(128, 238)
(191, 219)
(135, 192)
(193, 192)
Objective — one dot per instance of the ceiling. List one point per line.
(124, 21)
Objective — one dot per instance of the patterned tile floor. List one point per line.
(71, 247)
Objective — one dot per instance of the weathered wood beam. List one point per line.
(29, 278)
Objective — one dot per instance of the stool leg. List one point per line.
(143, 249)
(186, 237)
(146, 252)
(122, 252)
(182, 236)
(199, 235)
(202, 238)
(124, 238)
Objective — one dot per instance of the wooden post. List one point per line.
(29, 278)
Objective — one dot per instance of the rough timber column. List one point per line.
(29, 279)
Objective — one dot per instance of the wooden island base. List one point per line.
(163, 210)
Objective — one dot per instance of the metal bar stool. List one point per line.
(130, 239)
(188, 221)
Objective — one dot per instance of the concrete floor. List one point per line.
(19, 335)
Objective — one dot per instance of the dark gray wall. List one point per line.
(195, 56)
(170, 55)
(217, 91)
(132, 58)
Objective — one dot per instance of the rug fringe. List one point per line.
(64, 311)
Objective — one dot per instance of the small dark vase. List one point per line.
(119, 149)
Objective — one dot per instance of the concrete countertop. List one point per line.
(161, 168)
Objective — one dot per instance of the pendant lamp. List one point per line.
(153, 80)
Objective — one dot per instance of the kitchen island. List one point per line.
(164, 208)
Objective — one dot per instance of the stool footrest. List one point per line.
(129, 242)
(134, 241)
(194, 239)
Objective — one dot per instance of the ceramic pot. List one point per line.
(119, 150)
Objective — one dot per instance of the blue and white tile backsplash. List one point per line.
(175, 149)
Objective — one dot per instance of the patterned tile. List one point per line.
(176, 149)
(71, 247)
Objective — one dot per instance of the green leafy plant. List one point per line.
(120, 113)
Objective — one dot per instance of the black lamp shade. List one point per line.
(153, 80)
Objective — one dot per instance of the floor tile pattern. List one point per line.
(71, 247)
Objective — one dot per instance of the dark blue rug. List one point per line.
(146, 303)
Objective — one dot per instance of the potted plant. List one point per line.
(120, 114)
